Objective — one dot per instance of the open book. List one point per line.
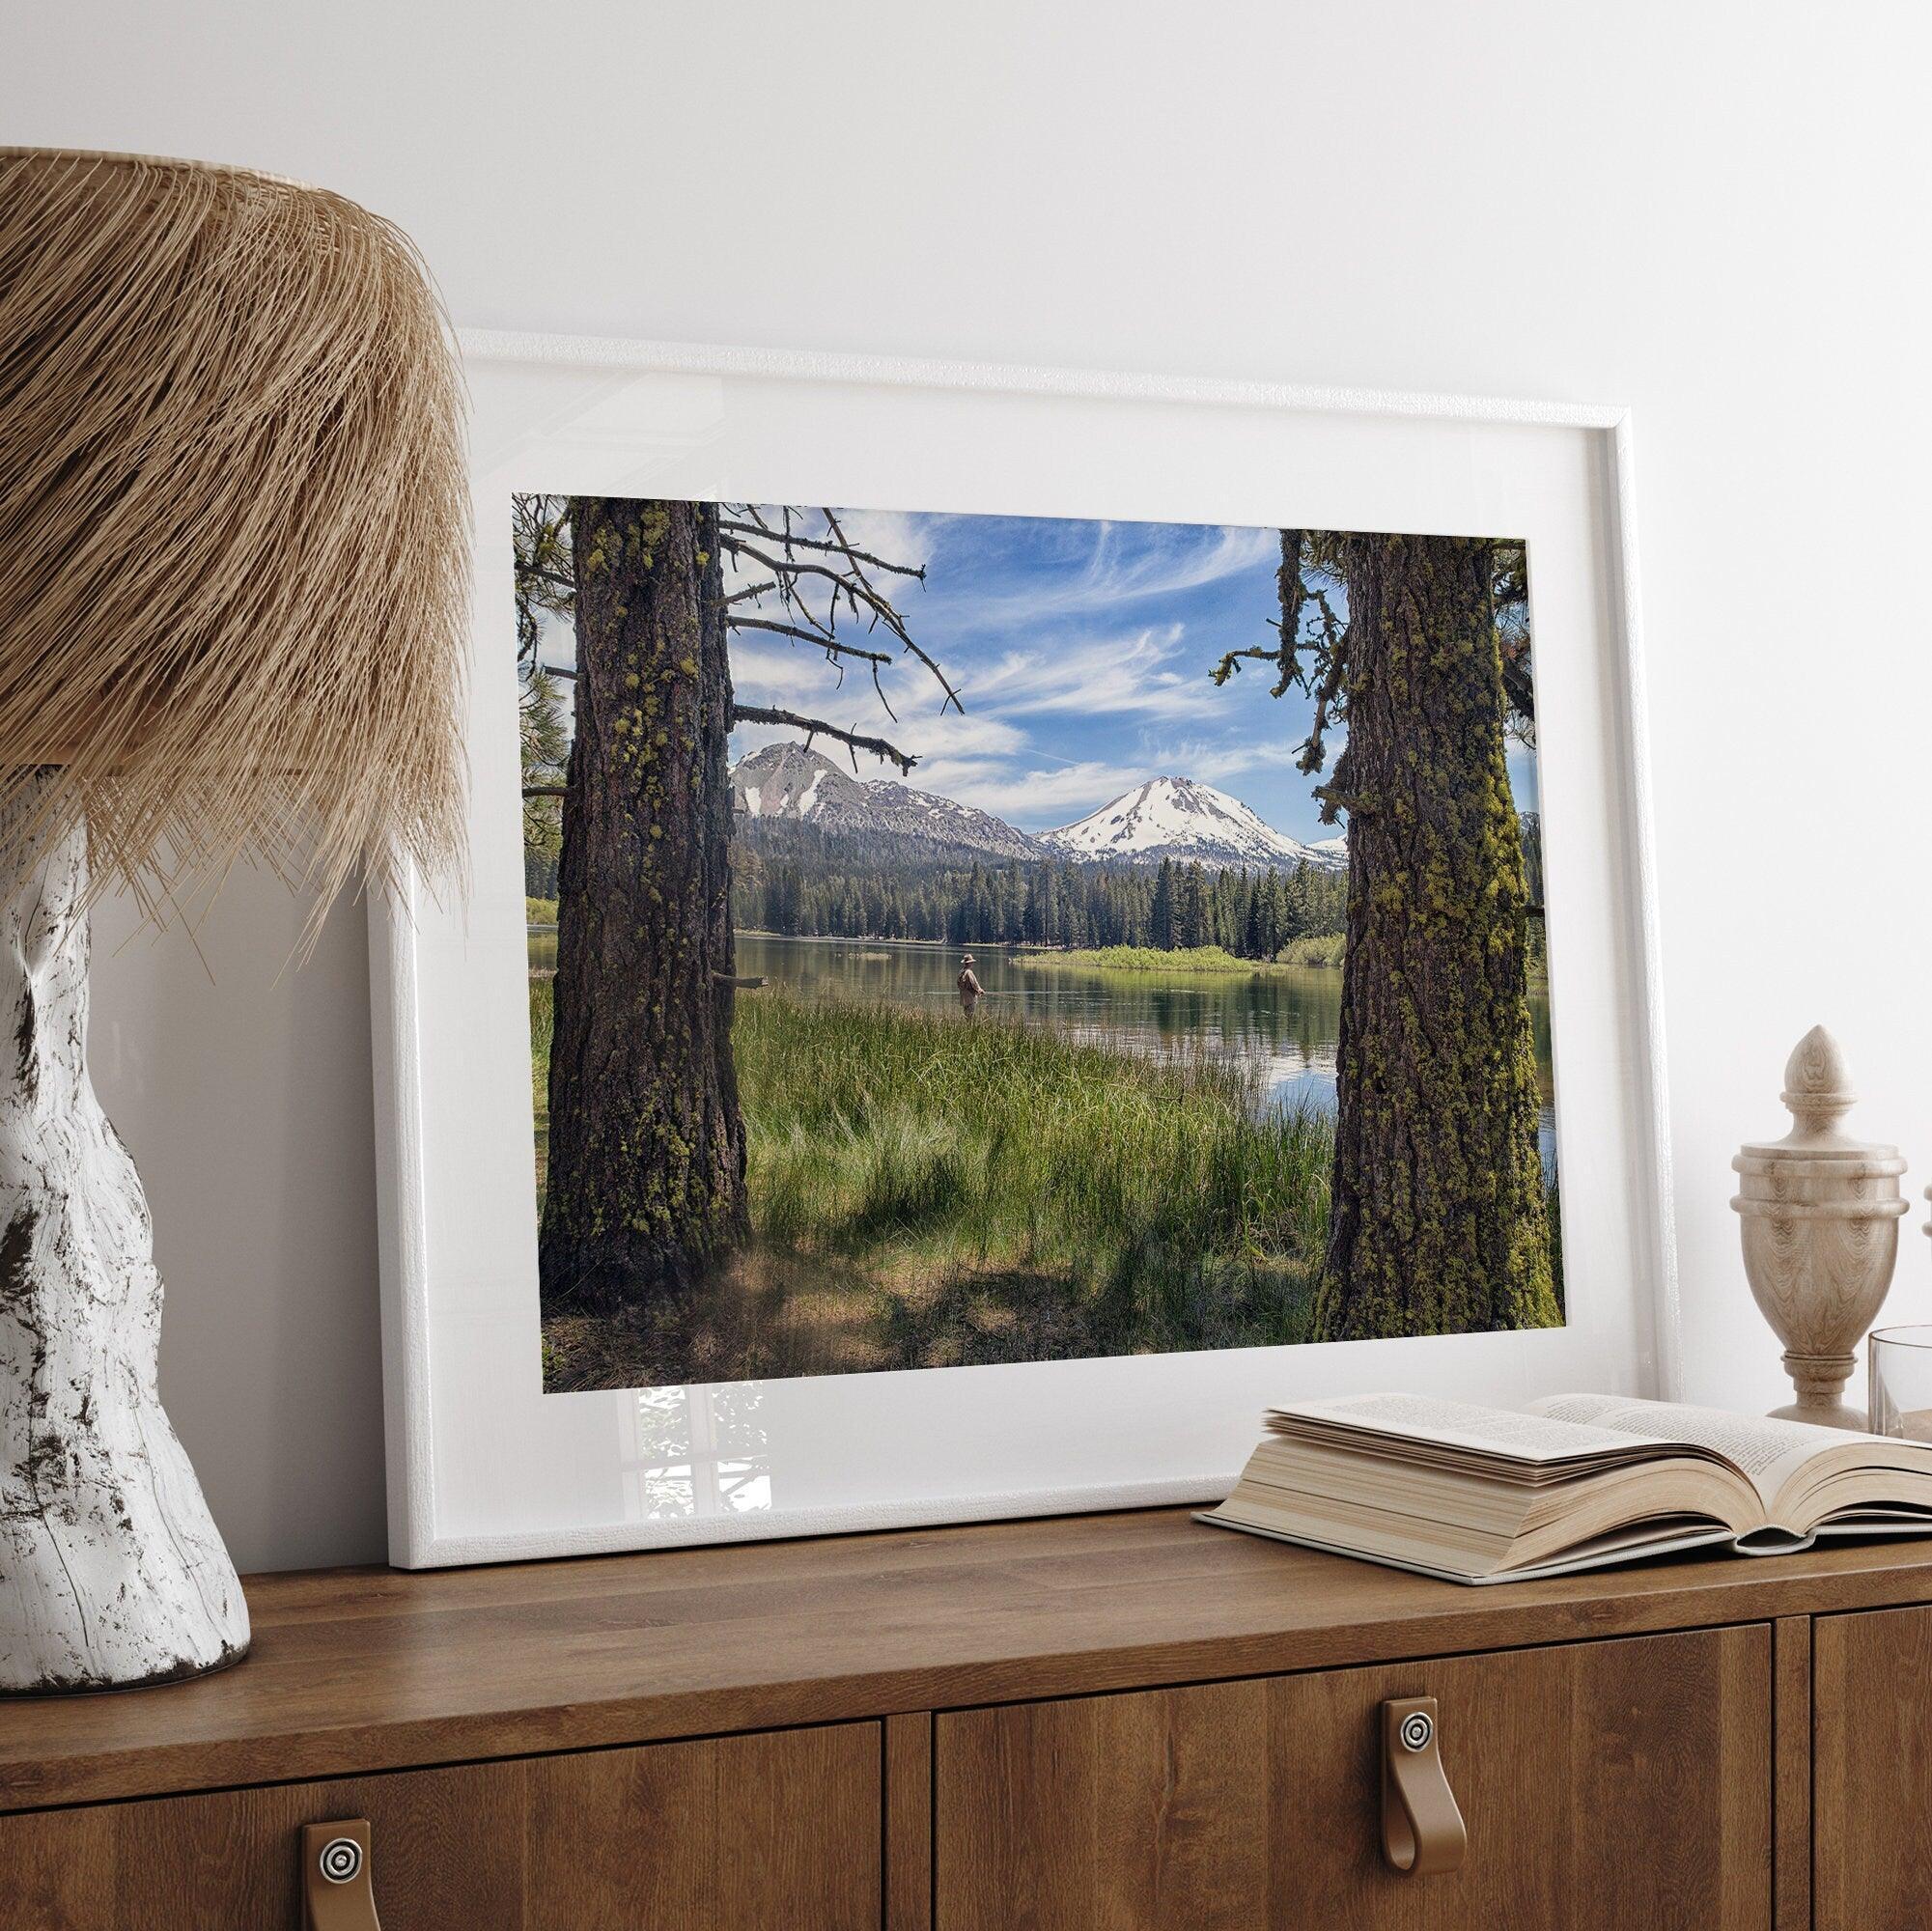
(1493, 1495)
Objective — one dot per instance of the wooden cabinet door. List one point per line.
(773, 1833)
(1871, 1771)
(1608, 1787)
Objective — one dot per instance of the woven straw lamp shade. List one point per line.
(233, 593)
(232, 482)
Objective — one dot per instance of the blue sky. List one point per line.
(1081, 650)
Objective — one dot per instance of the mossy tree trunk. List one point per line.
(646, 1177)
(1438, 1222)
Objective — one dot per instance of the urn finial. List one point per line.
(1820, 1212)
(1817, 1089)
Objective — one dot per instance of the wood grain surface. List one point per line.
(361, 1670)
(908, 1823)
(771, 1833)
(1791, 1786)
(1871, 1851)
(1608, 1787)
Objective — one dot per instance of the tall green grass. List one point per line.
(1049, 1194)
(929, 1190)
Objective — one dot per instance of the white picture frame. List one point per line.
(483, 1466)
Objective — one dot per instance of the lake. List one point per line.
(1281, 1022)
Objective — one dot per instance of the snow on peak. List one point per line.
(1181, 818)
(789, 781)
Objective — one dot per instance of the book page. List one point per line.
(1766, 1452)
(1602, 1554)
(1507, 1432)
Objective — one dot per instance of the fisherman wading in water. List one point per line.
(971, 989)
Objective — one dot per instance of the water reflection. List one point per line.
(1283, 1025)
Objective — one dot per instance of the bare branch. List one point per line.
(1518, 686)
(1284, 653)
(1229, 664)
(1335, 802)
(829, 645)
(861, 597)
(1327, 644)
(760, 528)
(858, 592)
(545, 790)
(1314, 748)
(817, 727)
(841, 580)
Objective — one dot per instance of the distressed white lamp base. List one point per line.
(111, 1570)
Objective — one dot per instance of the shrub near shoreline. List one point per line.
(1182, 962)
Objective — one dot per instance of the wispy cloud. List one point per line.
(1126, 561)
(900, 536)
(1137, 673)
(1214, 759)
(1158, 559)
(1035, 799)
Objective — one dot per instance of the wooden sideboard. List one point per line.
(1104, 1721)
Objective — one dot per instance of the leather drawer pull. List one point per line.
(1422, 1829)
(336, 1892)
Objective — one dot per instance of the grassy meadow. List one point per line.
(1184, 961)
(928, 1191)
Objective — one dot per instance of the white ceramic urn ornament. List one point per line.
(233, 586)
(1820, 1212)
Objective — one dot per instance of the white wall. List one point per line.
(1716, 212)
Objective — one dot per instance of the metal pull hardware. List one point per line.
(1422, 1829)
(336, 1892)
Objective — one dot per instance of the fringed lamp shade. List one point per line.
(232, 491)
(232, 575)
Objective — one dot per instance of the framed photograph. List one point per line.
(1017, 919)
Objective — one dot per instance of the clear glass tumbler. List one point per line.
(1901, 1381)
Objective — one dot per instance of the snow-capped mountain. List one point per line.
(1178, 818)
(944, 820)
(1164, 818)
(788, 781)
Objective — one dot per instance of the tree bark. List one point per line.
(1437, 1223)
(646, 1179)
(111, 1570)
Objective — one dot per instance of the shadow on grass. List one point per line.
(774, 1313)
